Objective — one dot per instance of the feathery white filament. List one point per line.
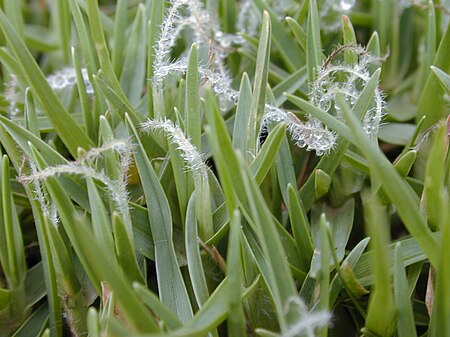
(67, 77)
(189, 153)
(310, 134)
(116, 187)
(338, 77)
(307, 322)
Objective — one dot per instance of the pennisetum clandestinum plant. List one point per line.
(337, 76)
(85, 167)
(194, 163)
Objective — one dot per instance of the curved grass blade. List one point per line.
(405, 324)
(290, 52)
(381, 311)
(401, 195)
(152, 301)
(172, 289)
(210, 316)
(432, 102)
(236, 322)
(243, 110)
(132, 77)
(300, 228)
(313, 43)
(194, 260)
(193, 111)
(52, 106)
(119, 37)
(261, 165)
(94, 261)
(259, 87)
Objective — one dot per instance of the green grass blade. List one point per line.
(435, 176)
(156, 18)
(324, 299)
(116, 100)
(282, 282)
(62, 25)
(290, 52)
(313, 43)
(35, 324)
(62, 261)
(291, 84)
(261, 165)
(381, 311)
(224, 156)
(193, 118)
(101, 224)
(285, 168)
(94, 260)
(126, 255)
(430, 48)
(52, 106)
(243, 111)
(349, 38)
(431, 102)
(119, 37)
(101, 47)
(130, 305)
(49, 275)
(152, 301)
(132, 77)
(300, 228)
(89, 116)
(210, 316)
(194, 260)
(298, 31)
(401, 196)
(69, 286)
(13, 255)
(350, 261)
(13, 11)
(405, 324)
(259, 86)
(440, 325)
(236, 322)
(443, 77)
(86, 43)
(171, 286)
(31, 121)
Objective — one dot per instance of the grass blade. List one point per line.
(52, 106)
(259, 87)
(401, 196)
(193, 112)
(405, 325)
(172, 291)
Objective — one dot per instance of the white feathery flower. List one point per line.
(194, 159)
(168, 36)
(338, 77)
(67, 77)
(48, 208)
(310, 134)
(308, 322)
(117, 188)
(13, 95)
(206, 32)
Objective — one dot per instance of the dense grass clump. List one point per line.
(225, 168)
